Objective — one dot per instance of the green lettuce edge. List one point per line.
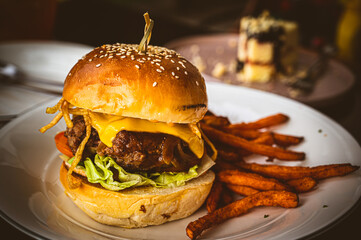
(100, 171)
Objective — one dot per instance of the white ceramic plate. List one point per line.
(46, 62)
(33, 198)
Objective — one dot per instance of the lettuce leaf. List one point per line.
(101, 171)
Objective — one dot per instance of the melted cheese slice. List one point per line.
(109, 125)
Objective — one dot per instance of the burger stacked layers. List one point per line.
(136, 155)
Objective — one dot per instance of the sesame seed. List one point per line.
(155, 84)
(177, 77)
(185, 72)
(197, 83)
(158, 70)
(173, 74)
(98, 65)
(137, 66)
(172, 61)
(90, 60)
(178, 68)
(181, 63)
(123, 56)
(161, 67)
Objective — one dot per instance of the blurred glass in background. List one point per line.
(348, 37)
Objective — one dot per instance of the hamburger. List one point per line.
(133, 153)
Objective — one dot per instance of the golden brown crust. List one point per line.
(141, 206)
(159, 85)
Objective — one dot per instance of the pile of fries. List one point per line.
(258, 184)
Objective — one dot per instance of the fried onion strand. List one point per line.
(54, 109)
(73, 182)
(77, 111)
(65, 110)
(53, 122)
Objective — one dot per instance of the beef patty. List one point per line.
(134, 151)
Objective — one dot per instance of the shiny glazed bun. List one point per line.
(142, 206)
(158, 85)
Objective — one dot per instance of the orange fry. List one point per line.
(242, 190)
(227, 197)
(229, 155)
(253, 180)
(215, 121)
(262, 123)
(244, 133)
(286, 140)
(288, 172)
(280, 139)
(214, 196)
(302, 184)
(239, 207)
(265, 138)
(222, 165)
(262, 149)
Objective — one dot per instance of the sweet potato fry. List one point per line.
(262, 149)
(249, 134)
(227, 197)
(244, 133)
(242, 190)
(214, 196)
(288, 172)
(209, 113)
(269, 198)
(286, 140)
(302, 184)
(222, 165)
(230, 153)
(216, 121)
(265, 138)
(253, 180)
(262, 123)
(229, 156)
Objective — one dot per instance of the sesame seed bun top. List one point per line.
(158, 85)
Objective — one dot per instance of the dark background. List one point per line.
(97, 22)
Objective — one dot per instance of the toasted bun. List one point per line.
(141, 206)
(159, 85)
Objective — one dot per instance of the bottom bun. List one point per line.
(142, 206)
